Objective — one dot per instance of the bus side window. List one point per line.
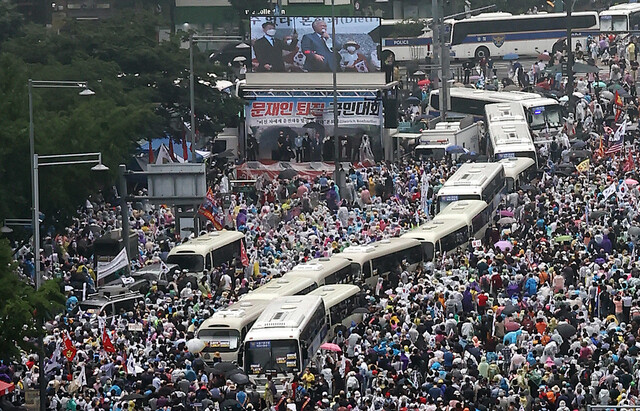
(366, 269)
(343, 276)
(331, 279)
(208, 264)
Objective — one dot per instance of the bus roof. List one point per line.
(509, 16)
(363, 253)
(527, 100)
(435, 229)
(333, 294)
(621, 9)
(284, 314)
(206, 243)
(279, 287)
(470, 174)
(515, 165)
(466, 209)
(500, 112)
(235, 316)
(510, 135)
(317, 266)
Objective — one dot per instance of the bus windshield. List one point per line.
(192, 262)
(220, 340)
(541, 116)
(613, 23)
(444, 201)
(275, 356)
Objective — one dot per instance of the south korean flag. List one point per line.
(361, 67)
(299, 59)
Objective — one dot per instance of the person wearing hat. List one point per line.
(353, 60)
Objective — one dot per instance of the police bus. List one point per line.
(544, 115)
(453, 228)
(372, 261)
(499, 34)
(285, 337)
(508, 132)
(473, 181)
(207, 251)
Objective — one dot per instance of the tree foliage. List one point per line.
(22, 307)
(407, 29)
(142, 92)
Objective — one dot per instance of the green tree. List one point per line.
(141, 90)
(22, 307)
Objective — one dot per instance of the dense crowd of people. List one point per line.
(542, 316)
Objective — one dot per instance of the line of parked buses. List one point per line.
(277, 328)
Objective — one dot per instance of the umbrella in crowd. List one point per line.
(506, 220)
(330, 347)
(511, 56)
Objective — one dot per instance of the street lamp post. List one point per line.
(336, 136)
(44, 161)
(193, 38)
(35, 218)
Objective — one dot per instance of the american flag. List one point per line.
(614, 148)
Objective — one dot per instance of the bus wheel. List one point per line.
(481, 52)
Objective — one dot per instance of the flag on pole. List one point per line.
(81, 379)
(151, 159)
(69, 350)
(617, 140)
(618, 100)
(131, 365)
(583, 166)
(53, 362)
(171, 152)
(107, 345)
(629, 164)
(244, 259)
(609, 191)
(209, 209)
(185, 152)
(623, 189)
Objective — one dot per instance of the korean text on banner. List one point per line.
(121, 261)
(296, 112)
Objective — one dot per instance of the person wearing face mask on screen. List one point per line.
(268, 49)
(318, 49)
(353, 60)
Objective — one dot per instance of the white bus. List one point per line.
(340, 302)
(508, 132)
(281, 287)
(460, 222)
(331, 270)
(405, 48)
(498, 34)
(544, 115)
(621, 18)
(207, 251)
(285, 337)
(473, 181)
(371, 261)
(518, 171)
(226, 329)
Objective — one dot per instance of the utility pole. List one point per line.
(569, 6)
(440, 55)
(435, 41)
(444, 62)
